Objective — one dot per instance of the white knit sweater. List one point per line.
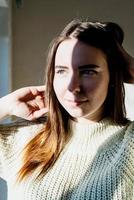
(97, 163)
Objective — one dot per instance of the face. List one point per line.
(81, 79)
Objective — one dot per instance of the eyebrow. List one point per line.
(92, 66)
(80, 67)
(60, 66)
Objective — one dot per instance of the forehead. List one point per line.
(72, 52)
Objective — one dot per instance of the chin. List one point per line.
(76, 115)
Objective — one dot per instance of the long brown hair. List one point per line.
(47, 145)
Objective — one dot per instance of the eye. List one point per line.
(60, 71)
(88, 72)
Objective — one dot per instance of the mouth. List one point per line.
(76, 102)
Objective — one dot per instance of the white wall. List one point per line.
(129, 89)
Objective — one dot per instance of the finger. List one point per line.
(41, 88)
(40, 101)
(39, 113)
(38, 90)
(29, 93)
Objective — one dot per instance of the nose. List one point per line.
(74, 84)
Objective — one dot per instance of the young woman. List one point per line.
(84, 146)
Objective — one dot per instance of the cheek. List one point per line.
(90, 86)
(97, 88)
(59, 87)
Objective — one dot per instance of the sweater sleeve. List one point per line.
(129, 151)
(7, 137)
(1, 168)
(13, 139)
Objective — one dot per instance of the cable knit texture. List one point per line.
(96, 164)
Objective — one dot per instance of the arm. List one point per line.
(27, 103)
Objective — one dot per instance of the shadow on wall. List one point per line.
(3, 190)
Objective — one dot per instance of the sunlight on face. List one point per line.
(81, 79)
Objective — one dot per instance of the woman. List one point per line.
(83, 148)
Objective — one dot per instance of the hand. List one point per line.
(27, 102)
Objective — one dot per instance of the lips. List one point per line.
(76, 102)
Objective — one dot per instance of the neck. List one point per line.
(86, 121)
(92, 118)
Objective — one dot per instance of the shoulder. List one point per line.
(122, 136)
(14, 137)
(129, 138)
(127, 147)
(129, 151)
(130, 129)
